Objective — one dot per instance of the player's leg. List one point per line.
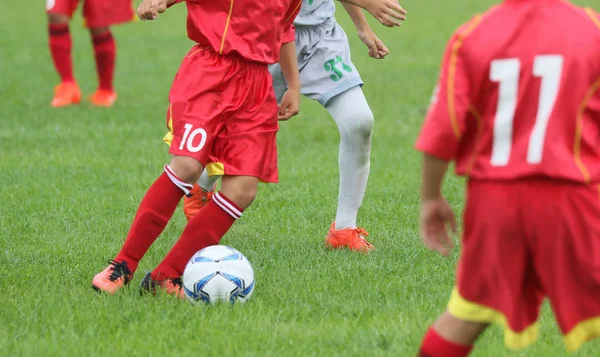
(354, 119)
(496, 281)
(59, 39)
(330, 77)
(105, 51)
(567, 256)
(450, 337)
(206, 228)
(155, 211)
(99, 16)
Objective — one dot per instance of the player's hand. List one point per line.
(436, 216)
(149, 9)
(388, 12)
(290, 104)
(376, 47)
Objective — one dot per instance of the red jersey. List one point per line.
(252, 29)
(519, 94)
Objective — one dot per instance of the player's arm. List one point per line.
(436, 213)
(439, 141)
(149, 9)
(388, 12)
(376, 47)
(288, 61)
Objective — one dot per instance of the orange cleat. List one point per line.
(172, 287)
(351, 238)
(65, 94)
(103, 98)
(111, 279)
(198, 198)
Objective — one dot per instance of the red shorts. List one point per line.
(97, 13)
(524, 241)
(223, 113)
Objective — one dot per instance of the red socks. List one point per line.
(60, 50)
(105, 51)
(156, 209)
(205, 229)
(434, 345)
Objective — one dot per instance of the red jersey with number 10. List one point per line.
(519, 94)
(252, 29)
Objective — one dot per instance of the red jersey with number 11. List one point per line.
(519, 94)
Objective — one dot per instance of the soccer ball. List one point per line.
(218, 273)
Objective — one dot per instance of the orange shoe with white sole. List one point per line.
(113, 278)
(172, 287)
(103, 98)
(351, 238)
(198, 199)
(65, 94)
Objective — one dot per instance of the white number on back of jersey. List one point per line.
(506, 72)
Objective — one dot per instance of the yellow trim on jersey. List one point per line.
(226, 26)
(168, 138)
(215, 169)
(477, 116)
(470, 311)
(590, 12)
(452, 74)
(582, 332)
(293, 12)
(579, 129)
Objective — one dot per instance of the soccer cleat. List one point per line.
(198, 198)
(351, 238)
(172, 287)
(103, 98)
(111, 279)
(65, 94)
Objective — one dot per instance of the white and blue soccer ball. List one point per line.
(218, 273)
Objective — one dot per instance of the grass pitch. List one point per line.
(72, 179)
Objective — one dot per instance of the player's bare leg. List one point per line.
(67, 91)
(450, 336)
(105, 54)
(355, 123)
(208, 226)
(200, 195)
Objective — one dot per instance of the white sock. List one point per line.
(354, 119)
(207, 183)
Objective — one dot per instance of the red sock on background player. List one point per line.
(434, 345)
(60, 50)
(105, 54)
(155, 211)
(205, 229)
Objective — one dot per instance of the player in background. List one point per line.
(518, 110)
(328, 75)
(222, 109)
(99, 16)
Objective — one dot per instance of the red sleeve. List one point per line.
(445, 122)
(289, 35)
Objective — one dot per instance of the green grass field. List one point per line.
(71, 180)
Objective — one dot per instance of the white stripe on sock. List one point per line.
(226, 206)
(229, 205)
(184, 186)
